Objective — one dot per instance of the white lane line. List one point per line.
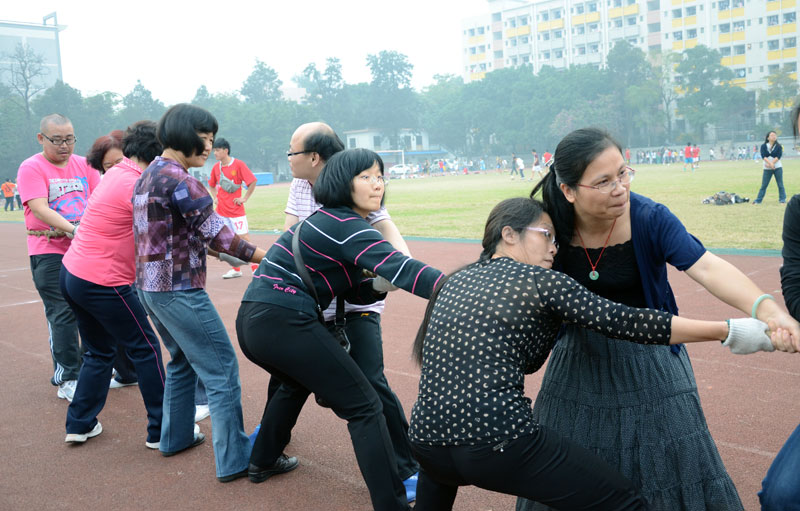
(21, 268)
(751, 450)
(746, 367)
(20, 303)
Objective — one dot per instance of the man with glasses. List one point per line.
(55, 186)
(310, 147)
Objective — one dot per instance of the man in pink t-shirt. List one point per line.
(55, 186)
(225, 182)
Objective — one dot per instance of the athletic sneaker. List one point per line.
(201, 412)
(67, 390)
(116, 384)
(232, 274)
(79, 438)
(156, 445)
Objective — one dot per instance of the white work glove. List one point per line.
(381, 285)
(747, 335)
(233, 261)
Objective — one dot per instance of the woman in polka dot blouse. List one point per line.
(495, 321)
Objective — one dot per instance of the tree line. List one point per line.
(643, 99)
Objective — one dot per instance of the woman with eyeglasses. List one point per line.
(487, 326)
(636, 406)
(106, 152)
(280, 325)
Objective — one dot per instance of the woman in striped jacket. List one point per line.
(279, 329)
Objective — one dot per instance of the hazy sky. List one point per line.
(173, 47)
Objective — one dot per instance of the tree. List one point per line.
(664, 80)
(324, 91)
(443, 112)
(139, 104)
(704, 78)
(781, 93)
(393, 104)
(262, 85)
(26, 73)
(630, 77)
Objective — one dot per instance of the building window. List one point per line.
(773, 68)
(559, 54)
(545, 55)
(790, 42)
(593, 27)
(632, 20)
(581, 29)
(579, 9)
(738, 26)
(739, 73)
(523, 21)
(790, 67)
(496, 17)
(678, 36)
(772, 20)
(724, 5)
(738, 3)
(691, 33)
(676, 13)
(480, 31)
(618, 22)
(594, 48)
(545, 16)
(376, 143)
(725, 51)
(581, 50)
(691, 11)
(738, 49)
(789, 17)
(558, 34)
(351, 143)
(523, 40)
(526, 59)
(546, 36)
(498, 54)
(557, 14)
(593, 7)
(617, 3)
(724, 28)
(654, 27)
(497, 36)
(774, 44)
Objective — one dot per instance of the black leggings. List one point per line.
(542, 466)
(299, 350)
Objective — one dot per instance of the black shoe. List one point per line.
(233, 477)
(282, 464)
(199, 438)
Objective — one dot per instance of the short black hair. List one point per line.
(221, 143)
(334, 186)
(140, 141)
(179, 126)
(324, 142)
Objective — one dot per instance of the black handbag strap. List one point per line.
(301, 270)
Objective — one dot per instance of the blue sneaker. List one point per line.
(411, 487)
(255, 434)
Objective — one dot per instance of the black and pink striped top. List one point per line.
(337, 244)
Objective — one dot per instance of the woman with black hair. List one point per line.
(96, 280)
(771, 153)
(174, 223)
(489, 325)
(280, 328)
(636, 406)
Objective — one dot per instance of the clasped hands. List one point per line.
(748, 335)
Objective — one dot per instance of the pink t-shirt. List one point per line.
(103, 250)
(66, 189)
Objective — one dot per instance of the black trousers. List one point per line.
(542, 466)
(366, 348)
(299, 350)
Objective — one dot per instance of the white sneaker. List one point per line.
(156, 445)
(67, 390)
(232, 274)
(201, 412)
(118, 384)
(76, 438)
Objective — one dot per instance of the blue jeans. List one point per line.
(766, 177)
(195, 337)
(780, 489)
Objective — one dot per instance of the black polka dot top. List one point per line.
(492, 323)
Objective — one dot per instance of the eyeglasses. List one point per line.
(290, 154)
(59, 141)
(549, 236)
(374, 179)
(608, 186)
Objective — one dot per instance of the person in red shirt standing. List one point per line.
(695, 157)
(687, 156)
(227, 177)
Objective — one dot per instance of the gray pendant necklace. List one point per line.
(593, 274)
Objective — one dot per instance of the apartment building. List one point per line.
(754, 37)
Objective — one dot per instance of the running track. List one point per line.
(751, 404)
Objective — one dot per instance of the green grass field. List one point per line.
(457, 206)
